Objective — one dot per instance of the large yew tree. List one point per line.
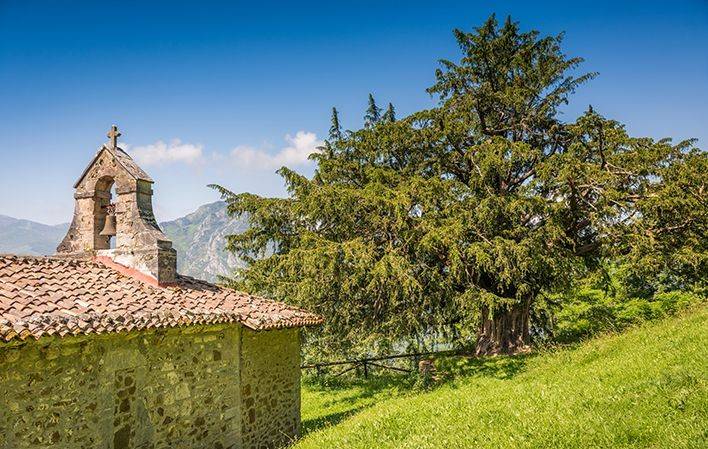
(456, 219)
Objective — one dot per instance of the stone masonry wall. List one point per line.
(270, 387)
(175, 388)
(140, 243)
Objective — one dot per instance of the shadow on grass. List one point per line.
(311, 425)
(351, 394)
(498, 367)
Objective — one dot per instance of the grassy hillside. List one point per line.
(645, 388)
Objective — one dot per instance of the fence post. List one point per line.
(366, 370)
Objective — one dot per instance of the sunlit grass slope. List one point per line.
(645, 388)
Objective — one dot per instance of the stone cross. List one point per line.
(113, 134)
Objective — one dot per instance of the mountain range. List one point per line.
(29, 237)
(199, 238)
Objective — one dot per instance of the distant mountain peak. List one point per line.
(198, 237)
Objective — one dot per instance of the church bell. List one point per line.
(109, 228)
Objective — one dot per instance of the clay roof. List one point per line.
(54, 296)
(123, 159)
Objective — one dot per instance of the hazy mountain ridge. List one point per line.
(28, 237)
(199, 238)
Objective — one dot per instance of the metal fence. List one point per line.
(366, 364)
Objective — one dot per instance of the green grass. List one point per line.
(645, 388)
(331, 401)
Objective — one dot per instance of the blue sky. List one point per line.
(225, 92)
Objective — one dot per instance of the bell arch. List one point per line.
(104, 203)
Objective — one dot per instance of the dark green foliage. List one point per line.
(335, 130)
(373, 113)
(590, 312)
(668, 247)
(450, 224)
(390, 114)
(608, 303)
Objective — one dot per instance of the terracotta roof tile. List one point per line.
(52, 296)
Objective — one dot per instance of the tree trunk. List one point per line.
(504, 330)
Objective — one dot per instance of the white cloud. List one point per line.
(160, 153)
(295, 153)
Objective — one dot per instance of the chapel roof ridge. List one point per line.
(59, 296)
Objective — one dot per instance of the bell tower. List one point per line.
(140, 244)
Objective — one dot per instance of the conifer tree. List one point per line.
(390, 114)
(373, 113)
(455, 220)
(335, 130)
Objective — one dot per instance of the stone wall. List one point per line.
(175, 388)
(270, 387)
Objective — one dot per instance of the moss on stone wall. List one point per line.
(270, 387)
(168, 389)
(175, 388)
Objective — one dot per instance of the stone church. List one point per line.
(105, 345)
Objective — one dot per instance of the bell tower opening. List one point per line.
(105, 223)
(112, 239)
